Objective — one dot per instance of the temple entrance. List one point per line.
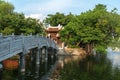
(53, 33)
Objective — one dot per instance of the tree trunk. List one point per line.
(89, 48)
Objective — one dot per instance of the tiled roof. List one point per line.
(52, 29)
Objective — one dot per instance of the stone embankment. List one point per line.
(75, 51)
(72, 51)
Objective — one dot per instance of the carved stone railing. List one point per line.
(12, 45)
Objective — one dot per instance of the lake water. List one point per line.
(98, 67)
(33, 71)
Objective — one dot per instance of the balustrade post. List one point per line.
(22, 34)
(22, 62)
(30, 34)
(1, 34)
(12, 34)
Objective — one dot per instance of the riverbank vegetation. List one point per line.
(17, 23)
(91, 29)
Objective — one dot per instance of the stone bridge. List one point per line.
(21, 45)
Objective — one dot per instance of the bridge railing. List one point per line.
(12, 45)
(9, 46)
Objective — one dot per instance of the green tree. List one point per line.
(92, 29)
(33, 26)
(6, 8)
(13, 22)
(58, 18)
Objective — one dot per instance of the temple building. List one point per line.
(53, 33)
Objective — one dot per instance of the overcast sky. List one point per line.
(40, 8)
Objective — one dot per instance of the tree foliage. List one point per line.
(58, 18)
(13, 22)
(95, 28)
(91, 29)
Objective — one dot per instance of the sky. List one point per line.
(41, 8)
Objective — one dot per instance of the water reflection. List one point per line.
(114, 57)
(33, 71)
(66, 59)
(98, 67)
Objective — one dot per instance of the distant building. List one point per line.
(53, 33)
